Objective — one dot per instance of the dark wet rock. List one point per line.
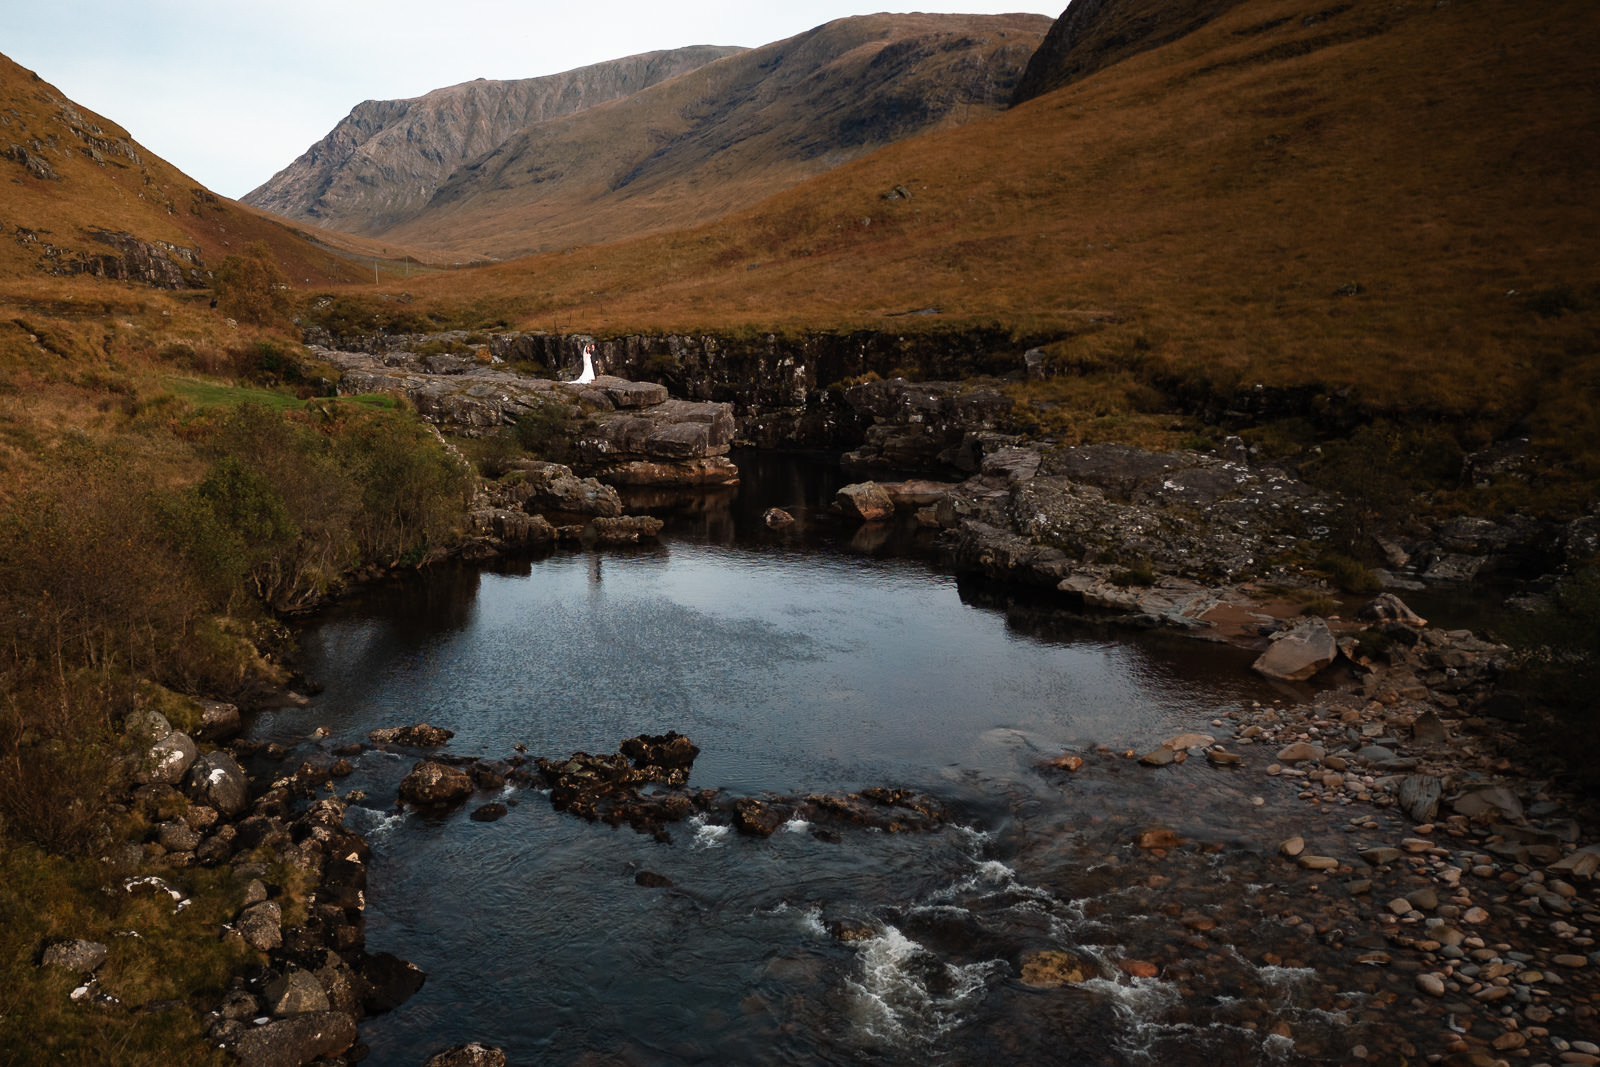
(610, 787)
(623, 530)
(76, 955)
(218, 720)
(491, 774)
(216, 780)
(652, 880)
(758, 818)
(432, 783)
(1053, 968)
(890, 810)
(295, 992)
(865, 501)
(261, 926)
(422, 735)
(296, 1041)
(388, 982)
(670, 750)
(469, 1055)
(777, 518)
(488, 813)
(1298, 653)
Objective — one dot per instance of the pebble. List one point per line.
(1430, 984)
(1292, 847)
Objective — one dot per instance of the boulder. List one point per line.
(777, 518)
(216, 780)
(77, 955)
(178, 836)
(669, 751)
(218, 720)
(1053, 968)
(553, 487)
(421, 735)
(170, 759)
(431, 782)
(1298, 653)
(388, 982)
(488, 813)
(866, 501)
(756, 818)
(295, 992)
(296, 1041)
(1489, 801)
(469, 1055)
(261, 926)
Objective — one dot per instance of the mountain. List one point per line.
(1391, 206)
(721, 137)
(384, 162)
(1093, 34)
(82, 197)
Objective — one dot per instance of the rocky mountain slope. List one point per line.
(718, 138)
(383, 163)
(82, 197)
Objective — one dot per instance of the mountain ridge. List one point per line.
(720, 136)
(387, 157)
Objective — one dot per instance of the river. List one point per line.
(808, 660)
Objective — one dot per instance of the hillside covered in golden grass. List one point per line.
(1389, 202)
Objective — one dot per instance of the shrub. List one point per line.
(252, 288)
(546, 430)
(1347, 574)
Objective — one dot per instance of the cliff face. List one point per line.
(1093, 34)
(386, 159)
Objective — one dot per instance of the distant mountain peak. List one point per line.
(386, 159)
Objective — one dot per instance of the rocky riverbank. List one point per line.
(1425, 855)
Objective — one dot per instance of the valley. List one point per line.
(1112, 499)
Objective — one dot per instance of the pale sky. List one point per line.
(232, 91)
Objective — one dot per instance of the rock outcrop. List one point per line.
(626, 433)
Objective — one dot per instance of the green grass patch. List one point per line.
(205, 395)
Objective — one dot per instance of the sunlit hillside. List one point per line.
(1395, 200)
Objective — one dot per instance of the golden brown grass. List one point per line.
(1371, 215)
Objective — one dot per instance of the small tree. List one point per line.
(252, 287)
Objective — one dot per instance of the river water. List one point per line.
(801, 661)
